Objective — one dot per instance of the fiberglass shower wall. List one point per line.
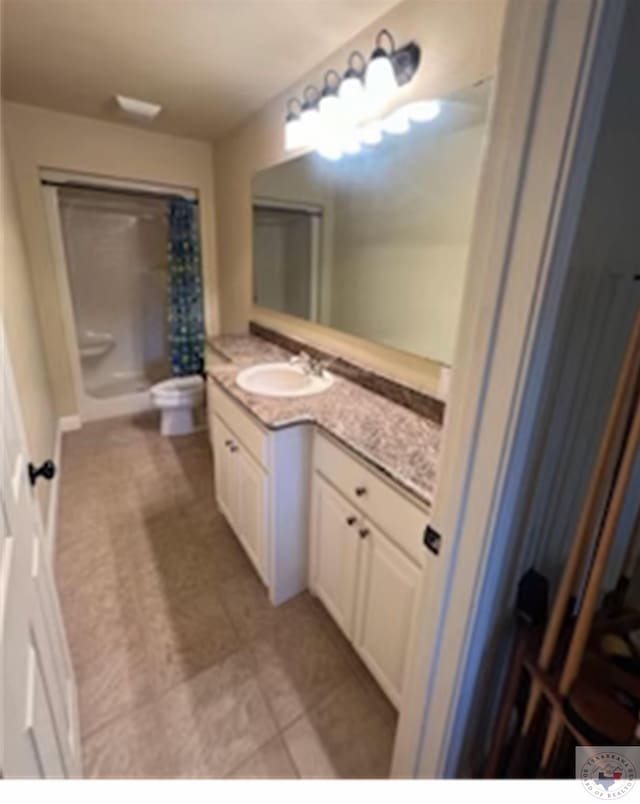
(117, 265)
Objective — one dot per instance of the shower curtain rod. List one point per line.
(75, 185)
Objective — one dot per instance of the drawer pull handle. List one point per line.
(364, 532)
(360, 491)
(351, 520)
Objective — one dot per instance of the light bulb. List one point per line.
(380, 79)
(350, 143)
(351, 94)
(329, 149)
(370, 134)
(293, 133)
(310, 120)
(331, 118)
(397, 122)
(423, 111)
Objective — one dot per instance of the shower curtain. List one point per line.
(186, 319)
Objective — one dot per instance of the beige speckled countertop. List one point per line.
(400, 443)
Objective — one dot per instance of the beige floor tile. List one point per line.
(272, 761)
(298, 667)
(133, 746)
(114, 684)
(184, 668)
(189, 634)
(344, 738)
(247, 600)
(217, 719)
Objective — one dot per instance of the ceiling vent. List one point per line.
(141, 110)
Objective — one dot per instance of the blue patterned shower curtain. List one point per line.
(186, 319)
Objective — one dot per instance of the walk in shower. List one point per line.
(117, 246)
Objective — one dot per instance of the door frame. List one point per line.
(555, 62)
(316, 215)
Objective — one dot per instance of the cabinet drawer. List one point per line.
(385, 505)
(252, 436)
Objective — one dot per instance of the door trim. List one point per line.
(555, 63)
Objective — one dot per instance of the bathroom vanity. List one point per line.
(330, 492)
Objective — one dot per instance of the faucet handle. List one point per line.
(323, 365)
(302, 358)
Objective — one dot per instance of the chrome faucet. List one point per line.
(311, 365)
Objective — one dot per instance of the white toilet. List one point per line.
(178, 400)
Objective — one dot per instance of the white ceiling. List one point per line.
(210, 63)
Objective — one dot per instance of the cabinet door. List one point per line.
(388, 593)
(225, 474)
(252, 515)
(334, 545)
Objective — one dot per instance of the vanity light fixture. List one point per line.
(330, 106)
(380, 78)
(310, 116)
(331, 120)
(351, 92)
(293, 128)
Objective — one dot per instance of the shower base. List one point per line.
(118, 396)
(119, 386)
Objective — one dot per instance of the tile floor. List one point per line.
(184, 669)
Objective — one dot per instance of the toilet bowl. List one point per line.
(178, 399)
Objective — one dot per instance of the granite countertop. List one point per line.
(402, 444)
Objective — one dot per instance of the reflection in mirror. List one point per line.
(375, 244)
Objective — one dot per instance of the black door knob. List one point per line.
(46, 470)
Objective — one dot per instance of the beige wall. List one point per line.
(459, 41)
(23, 334)
(38, 138)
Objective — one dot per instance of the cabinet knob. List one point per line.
(360, 491)
(363, 532)
(351, 520)
(233, 448)
(228, 443)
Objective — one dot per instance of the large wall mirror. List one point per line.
(375, 244)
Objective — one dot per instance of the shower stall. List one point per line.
(115, 249)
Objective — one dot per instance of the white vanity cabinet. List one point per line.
(335, 551)
(241, 491)
(367, 559)
(261, 486)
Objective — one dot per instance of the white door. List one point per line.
(334, 545)
(226, 484)
(39, 708)
(388, 592)
(251, 518)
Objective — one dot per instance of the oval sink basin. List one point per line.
(282, 379)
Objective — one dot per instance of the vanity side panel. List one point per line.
(288, 541)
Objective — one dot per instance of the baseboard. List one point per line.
(52, 509)
(68, 423)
